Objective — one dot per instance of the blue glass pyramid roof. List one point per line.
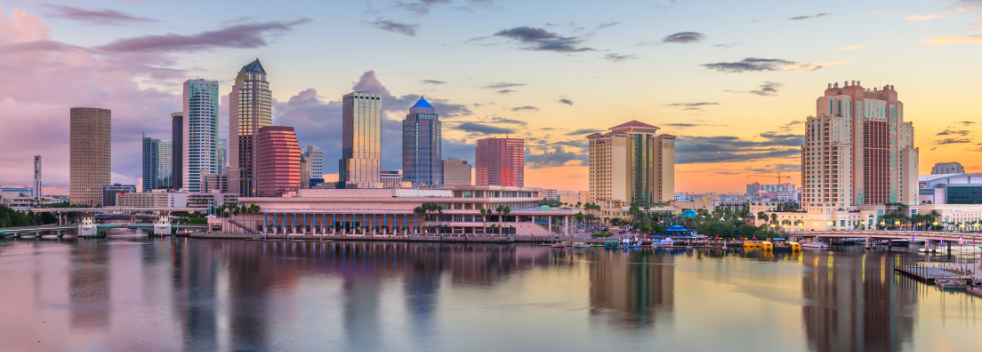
(422, 103)
(254, 66)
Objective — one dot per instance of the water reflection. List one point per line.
(638, 285)
(246, 295)
(856, 302)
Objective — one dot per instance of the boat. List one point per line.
(558, 245)
(581, 245)
(952, 284)
(87, 227)
(662, 243)
(814, 245)
(161, 226)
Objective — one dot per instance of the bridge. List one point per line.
(58, 230)
(108, 209)
(931, 237)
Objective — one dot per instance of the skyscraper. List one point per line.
(316, 160)
(500, 162)
(250, 108)
(91, 154)
(632, 164)
(165, 164)
(422, 164)
(278, 162)
(221, 149)
(947, 168)
(858, 150)
(361, 154)
(456, 172)
(177, 160)
(200, 131)
(151, 163)
(36, 192)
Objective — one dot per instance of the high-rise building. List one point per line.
(165, 164)
(361, 154)
(36, 192)
(177, 145)
(151, 163)
(947, 168)
(200, 132)
(500, 162)
(91, 154)
(278, 162)
(250, 108)
(311, 165)
(422, 163)
(456, 172)
(221, 149)
(858, 150)
(632, 164)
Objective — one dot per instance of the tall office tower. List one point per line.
(200, 133)
(36, 192)
(947, 168)
(177, 160)
(316, 157)
(305, 166)
(250, 108)
(500, 162)
(151, 163)
(858, 150)
(165, 164)
(422, 163)
(91, 154)
(456, 172)
(278, 162)
(361, 153)
(221, 149)
(632, 164)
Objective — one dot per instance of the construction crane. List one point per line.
(779, 178)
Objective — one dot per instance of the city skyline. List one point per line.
(735, 98)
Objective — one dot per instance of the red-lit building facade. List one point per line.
(500, 162)
(278, 162)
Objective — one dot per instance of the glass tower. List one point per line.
(422, 164)
(165, 165)
(250, 108)
(361, 154)
(500, 162)
(151, 162)
(200, 136)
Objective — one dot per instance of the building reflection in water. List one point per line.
(856, 303)
(631, 288)
(89, 286)
(194, 281)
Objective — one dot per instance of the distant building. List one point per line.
(213, 182)
(111, 192)
(947, 168)
(422, 163)
(500, 162)
(200, 131)
(153, 200)
(361, 134)
(278, 162)
(781, 192)
(456, 172)
(36, 193)
(250, 108)
(550, 194)
(391, 178)
(157, 164)
(573, 197)
(205, 202)
(316, 157)
(221, 155)
(631, 164)
(165, 164)
(177, 148)
(91, 154)
(951, 189)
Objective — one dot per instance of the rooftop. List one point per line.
(254, 66)
(422, 103)
(634, 123)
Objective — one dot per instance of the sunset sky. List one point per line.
(731, 79)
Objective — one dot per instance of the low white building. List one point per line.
(153, 200)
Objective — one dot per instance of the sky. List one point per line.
(733, 80)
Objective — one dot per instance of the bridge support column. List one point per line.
(890, 244)
(949, 247)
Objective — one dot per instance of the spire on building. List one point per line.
(254, 66)
(422, 103)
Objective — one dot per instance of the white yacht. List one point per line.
(815, 245)
(161, 226)
(87, 227)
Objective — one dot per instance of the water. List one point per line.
(129, 293)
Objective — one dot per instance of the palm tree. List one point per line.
(418, 211)
(484, 219)
(774, 218)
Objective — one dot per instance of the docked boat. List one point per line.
(814, 245)
(87, 227)
(161, 226)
